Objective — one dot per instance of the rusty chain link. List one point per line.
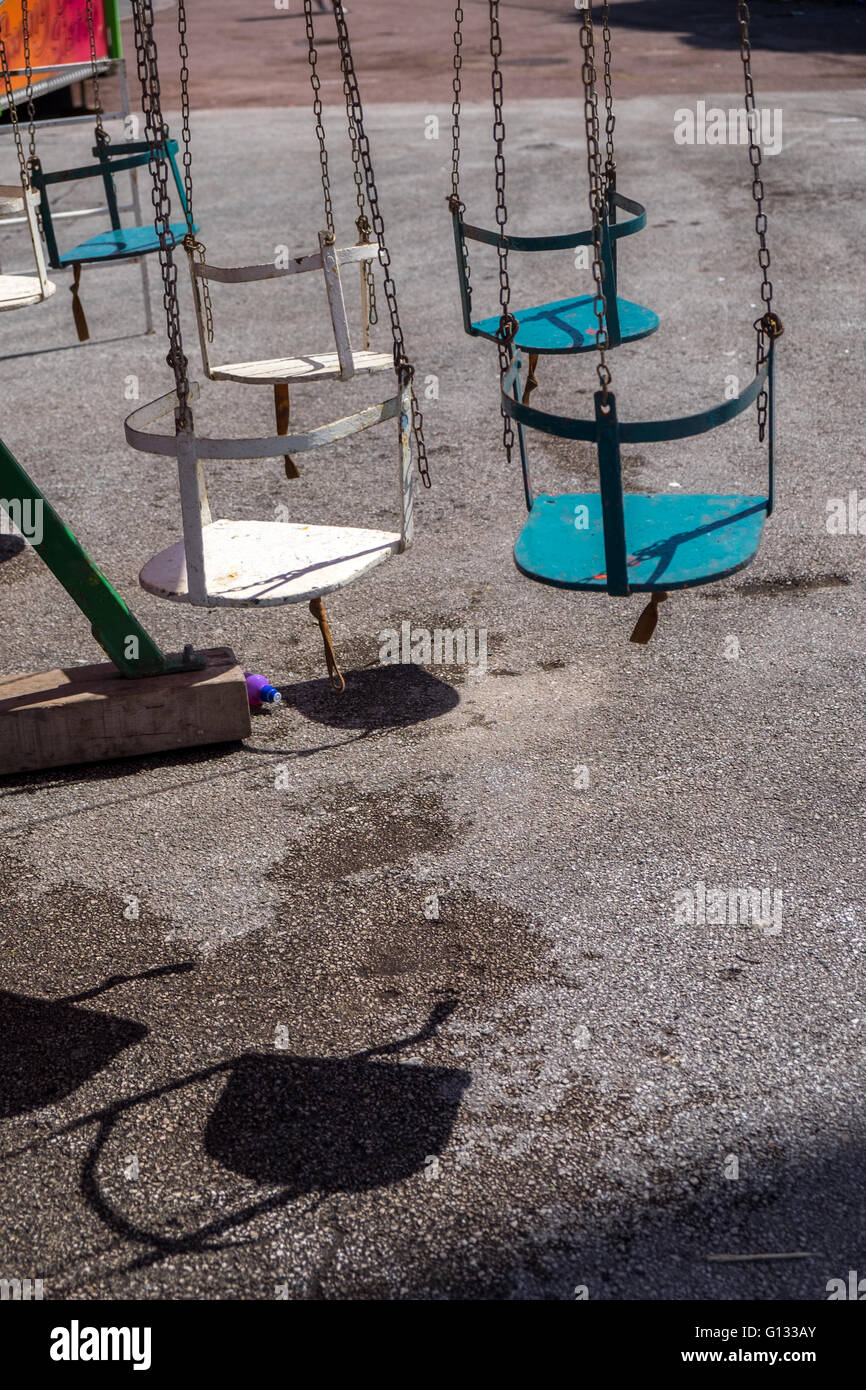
(769, 325)
(507, 322)
(402, 366)
(596, 195)
(195, 248)
(362, 221)
(313, 60)
(102, 136)
(610, 119)
(455, 203)
(28, 67)
(13, 115)
(156, 135)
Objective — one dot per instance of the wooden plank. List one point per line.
(88, 714)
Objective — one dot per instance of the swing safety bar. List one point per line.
(612, 231)
(559, 243)
(140, 436)
(638, 431)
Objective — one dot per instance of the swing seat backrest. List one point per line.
(111, 160)
(328, 259)
(15, 198)
(612, 231)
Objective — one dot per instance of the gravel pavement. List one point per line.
(396, 1000)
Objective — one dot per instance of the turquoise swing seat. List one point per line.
(119, 244)
(673, 541)
(563, 325)
(617, 542)
(570, 325)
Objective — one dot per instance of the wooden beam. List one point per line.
(88, 714)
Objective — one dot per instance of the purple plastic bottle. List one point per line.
(260, 692)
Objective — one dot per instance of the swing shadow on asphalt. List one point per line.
(73, 347)
(376, 699)
(313, 1126)
(71, 1043)
(833, 27)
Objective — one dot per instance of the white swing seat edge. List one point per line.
(19, 291)
(270, 563)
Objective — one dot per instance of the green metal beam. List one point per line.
(112, 28)
(115, 628)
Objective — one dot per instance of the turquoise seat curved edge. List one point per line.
(570, 325)
(120, 244)
(673, 540)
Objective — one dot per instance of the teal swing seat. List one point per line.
(570, 325)
(620, 543)
(672, 541)
(564, 325)
(119, 243)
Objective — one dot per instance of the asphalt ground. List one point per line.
(572, 1088)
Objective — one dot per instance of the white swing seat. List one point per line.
(18, 291)
(267, 563)
(323, 366)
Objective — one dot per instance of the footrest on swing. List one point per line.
(673, 540)
(571, 325)
(261, 563)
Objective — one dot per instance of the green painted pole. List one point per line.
(112, 28)
(115, 628)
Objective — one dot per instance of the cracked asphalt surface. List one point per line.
(394, 1000)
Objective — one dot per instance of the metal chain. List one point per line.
(183, 51)
(362, 222)
(507, 322)
(402, 366)
(313, 60)
(13, 114)
(193, 246)
(102, 137)
(156, 135)
(610, 120)
(596, 195)
(31, 109)
(457, 86)
(455, 202)
(769, 325)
